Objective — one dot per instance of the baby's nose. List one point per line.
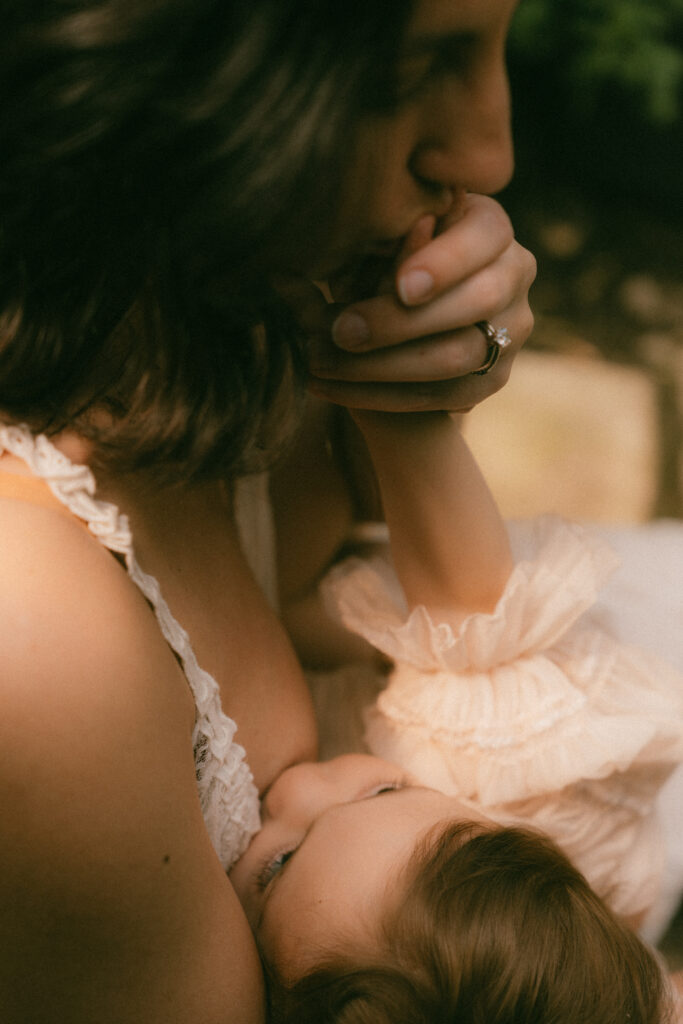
(294, 793)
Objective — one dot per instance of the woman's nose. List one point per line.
(469, 142)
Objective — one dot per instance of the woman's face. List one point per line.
(447, 133)
(327, 863)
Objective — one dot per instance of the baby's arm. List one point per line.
(449, 544)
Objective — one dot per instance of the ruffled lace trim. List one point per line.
(533, 727)
(542, 599)
(529, 714)
(521, 701)
(228, 796)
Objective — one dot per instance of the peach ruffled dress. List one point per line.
(537, 713)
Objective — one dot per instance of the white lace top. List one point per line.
(535, 713)
(227, 793)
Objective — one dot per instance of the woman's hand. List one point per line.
(404, 351)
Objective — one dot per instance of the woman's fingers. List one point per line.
(432, 358)
(384, 322)
(480, 232)
(458, 395)
(383, 353)
(475, 266)
(429, 374)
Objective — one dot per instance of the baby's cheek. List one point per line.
(293, 936)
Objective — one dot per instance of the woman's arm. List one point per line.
(113, 906)
(448, 541)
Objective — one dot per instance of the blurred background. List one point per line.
(591, 422)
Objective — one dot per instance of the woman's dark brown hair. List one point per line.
(157, 159)
(497, 927)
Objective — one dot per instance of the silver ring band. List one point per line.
(498, 339)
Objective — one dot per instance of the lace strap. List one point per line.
(227, 792)
(74, 486)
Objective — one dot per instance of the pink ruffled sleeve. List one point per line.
(515, 709)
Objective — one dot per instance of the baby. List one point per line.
(386, 894)
(376, 900)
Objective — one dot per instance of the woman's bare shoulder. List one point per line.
(68, 609)
(115, 907)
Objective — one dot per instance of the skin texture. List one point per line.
(329, 863)
(327, 866)
(677, 985)
(323, 888)
(414, 194)
(114, 906)
(429, 165)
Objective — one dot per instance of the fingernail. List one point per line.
(415, 286)
(350, 330)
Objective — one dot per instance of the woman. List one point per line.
(169, 171)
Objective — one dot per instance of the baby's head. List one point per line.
(377, 901)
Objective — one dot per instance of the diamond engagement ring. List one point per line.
(498, 339)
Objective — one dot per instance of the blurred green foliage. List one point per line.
(632, 48)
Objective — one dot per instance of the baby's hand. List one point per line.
(404, 351)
